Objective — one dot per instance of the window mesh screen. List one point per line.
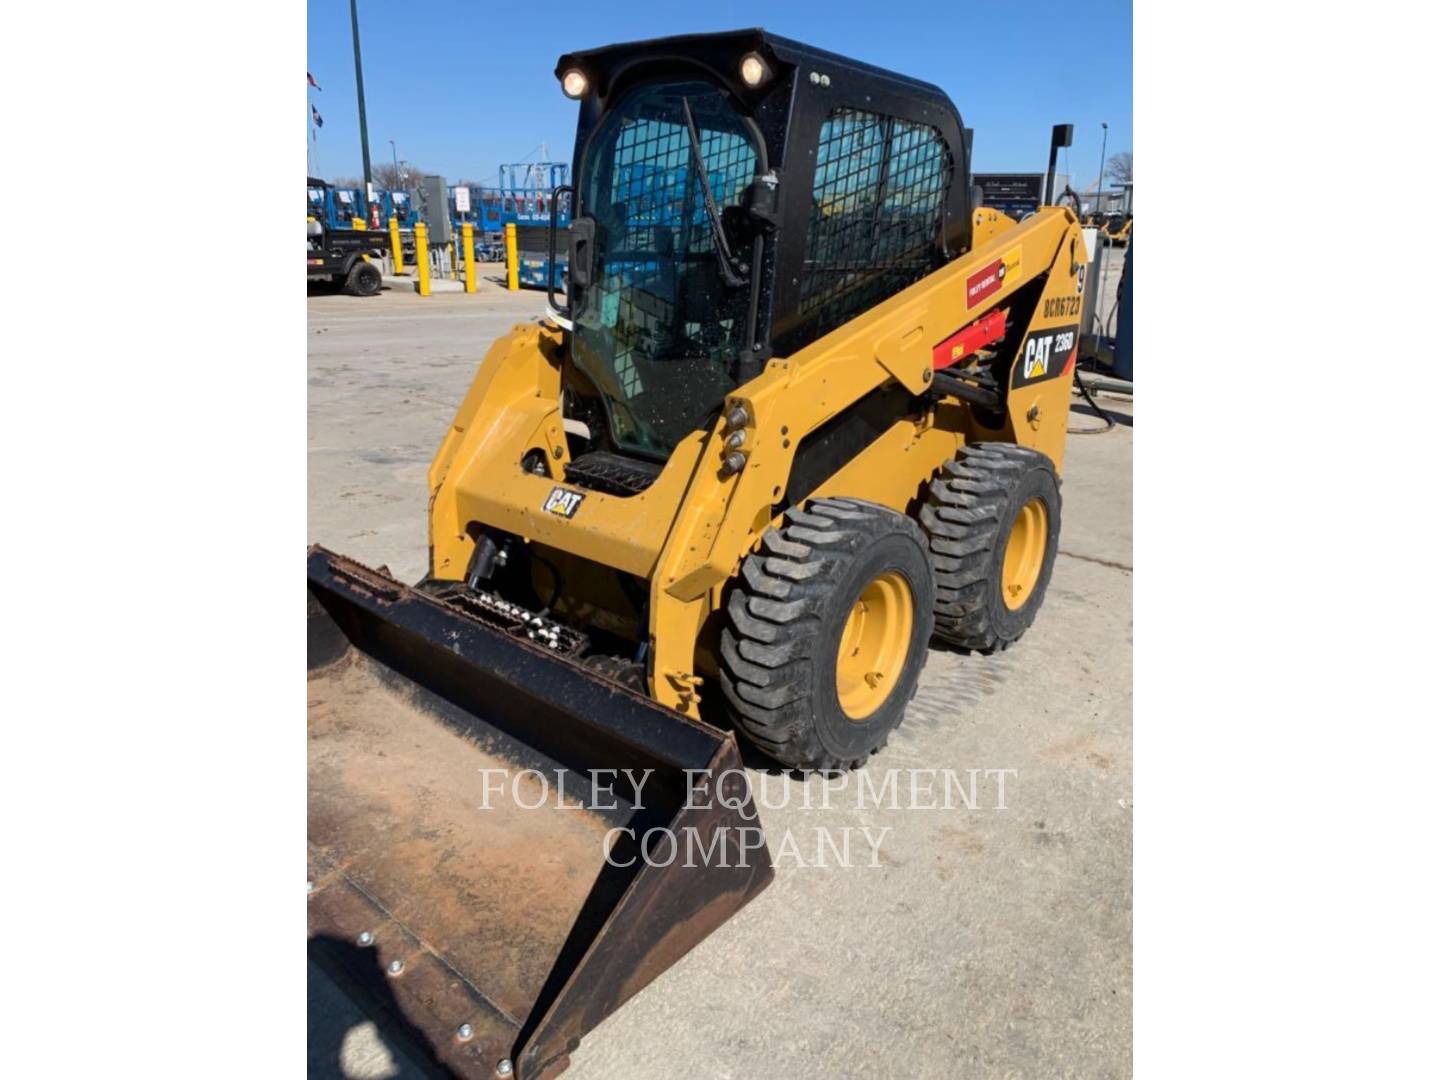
(660, 211)
(879, 196)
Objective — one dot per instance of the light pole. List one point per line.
(360, 94)
(395, 162)
(1100, 180)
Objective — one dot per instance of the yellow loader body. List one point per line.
(685, 535)
(800, 411)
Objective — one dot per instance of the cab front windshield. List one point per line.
(657, 330)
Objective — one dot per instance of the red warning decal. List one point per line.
(984, 283)
(989, 280)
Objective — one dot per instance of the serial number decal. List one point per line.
(563, 502)
(1062, 305)
(1046, 354)
(989, 280)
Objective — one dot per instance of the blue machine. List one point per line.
(400, 206)
(489, 230)
(487, 205)
(523, 198)
(316, 202)
(335, 208)
(489, 209)
(526, 193)
(343, 206)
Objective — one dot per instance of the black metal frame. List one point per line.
(555, 193)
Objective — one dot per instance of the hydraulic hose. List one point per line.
(1085, 393)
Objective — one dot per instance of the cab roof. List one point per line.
(723, 51)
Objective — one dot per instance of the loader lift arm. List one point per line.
(795, 395)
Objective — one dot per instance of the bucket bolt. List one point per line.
(504, 1068)
(365, 938)
(465, 1033)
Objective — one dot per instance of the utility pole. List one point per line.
(1104, 141)
(360, 93)
(395, 162)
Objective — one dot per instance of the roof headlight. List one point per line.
(574, 83)
(753, 69)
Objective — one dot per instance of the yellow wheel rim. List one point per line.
(1024, 554)
(874, 645)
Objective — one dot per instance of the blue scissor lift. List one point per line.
(531, 190)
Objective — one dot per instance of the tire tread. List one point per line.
(775, 612)
(962, 519)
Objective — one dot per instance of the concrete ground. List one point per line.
(984, 942)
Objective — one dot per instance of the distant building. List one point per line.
(1117, 200)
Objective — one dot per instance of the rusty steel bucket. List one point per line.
(483, 871)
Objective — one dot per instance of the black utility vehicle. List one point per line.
(338, 253)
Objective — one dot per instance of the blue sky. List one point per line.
(463, 87)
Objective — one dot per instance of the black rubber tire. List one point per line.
(785, 614)
(363, 280)
(967, 517)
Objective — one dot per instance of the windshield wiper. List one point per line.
(728, 267)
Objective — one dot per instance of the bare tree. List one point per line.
(385, 178)
(1121, 168)
(391, 178)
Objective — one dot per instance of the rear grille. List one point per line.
(611, 474)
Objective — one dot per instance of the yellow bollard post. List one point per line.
(467, 240)
(395, 248)
(512, 259)
(358, 224)
(422, 257)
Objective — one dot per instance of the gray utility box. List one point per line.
(435, 208)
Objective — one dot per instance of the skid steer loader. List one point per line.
(800, 410)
